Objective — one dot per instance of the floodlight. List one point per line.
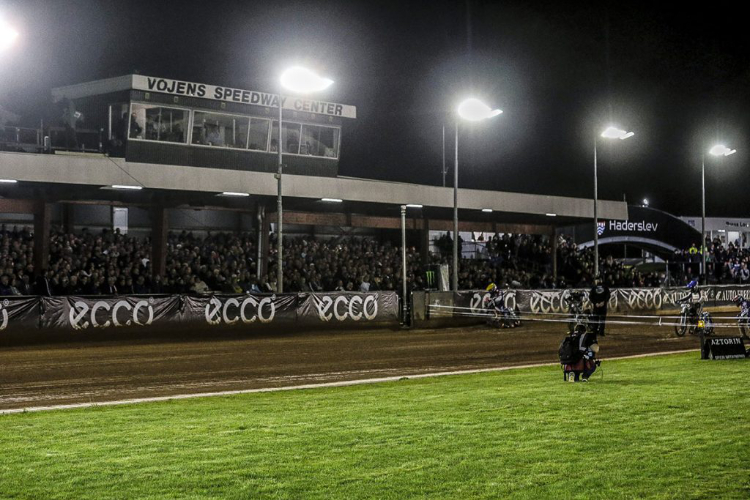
(721, 150)
(616, 133)
(475, 110)
(303, 81)
(7, 35)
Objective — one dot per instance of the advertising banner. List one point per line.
(82, 313)
(347, 307)
(467, 303)
(18, 313)
(216, 310)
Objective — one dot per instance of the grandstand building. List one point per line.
(159, 154)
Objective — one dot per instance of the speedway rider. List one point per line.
(496, 299)
(694, 299)
(744, 305)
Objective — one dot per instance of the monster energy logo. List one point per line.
(430, 278)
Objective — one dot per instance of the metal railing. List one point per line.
(50, 139)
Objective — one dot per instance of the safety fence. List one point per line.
(624, 305)
(75, 314)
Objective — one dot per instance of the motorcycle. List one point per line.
(697, 323)
(500, 316)
(743, 321)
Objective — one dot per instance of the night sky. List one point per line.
(560, 71)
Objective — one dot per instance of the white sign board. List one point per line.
(204, 91)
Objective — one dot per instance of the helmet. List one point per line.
(692, 284)
(491, 287)
(738, 299)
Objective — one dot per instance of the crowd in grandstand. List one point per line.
(110, 263)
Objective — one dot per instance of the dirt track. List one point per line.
(97, 371)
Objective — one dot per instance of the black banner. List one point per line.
(725, 348)
(239, 310)
(347, 307)
(81, 313)
(18, 313)
(470, 302)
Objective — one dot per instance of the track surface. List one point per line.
(98, 371)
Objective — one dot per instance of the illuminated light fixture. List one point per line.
(126, 186)
(7, 35)
(475, 110)
(721, 150)
(645, 202)
(413, 205)
(487, 210)
(303, 81)
(722, 230)
(235, 193)
(8, 181)
(332, 200)
(616, 133)
(551, 215)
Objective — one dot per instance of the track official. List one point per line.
(599, 297)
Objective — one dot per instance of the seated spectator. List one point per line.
(5, 286)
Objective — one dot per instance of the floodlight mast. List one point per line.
(301, 81)
(717, 150)
(609, 133)
(472, 110)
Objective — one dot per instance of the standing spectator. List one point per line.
(599, 297)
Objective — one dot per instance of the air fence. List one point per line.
(71, 315)
(652, 306)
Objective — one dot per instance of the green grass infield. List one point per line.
(661, 427)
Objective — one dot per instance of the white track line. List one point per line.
(342, 383)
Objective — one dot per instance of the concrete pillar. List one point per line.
(554, 256)
(159, 231)
(42, 218)
(68, 219)
(424, 241)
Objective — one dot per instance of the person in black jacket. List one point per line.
(599, 297)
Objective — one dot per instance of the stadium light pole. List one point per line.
(472, 110)
(609, 133)
(718, 150)
(403, 263)
(301, 81)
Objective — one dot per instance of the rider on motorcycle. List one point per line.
(496, 299)
(743, 304)
(694, 299)
(744, 316)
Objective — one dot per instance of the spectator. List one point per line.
(5, 287)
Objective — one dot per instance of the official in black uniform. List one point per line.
(599, 297)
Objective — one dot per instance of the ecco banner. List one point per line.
(621, 300)
(347, 307)
(82, 313)
(18, 313)
(245, 310)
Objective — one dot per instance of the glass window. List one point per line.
(290, 137)
(157, 123)
(224, 131)
(319, 141)
(259, 134)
